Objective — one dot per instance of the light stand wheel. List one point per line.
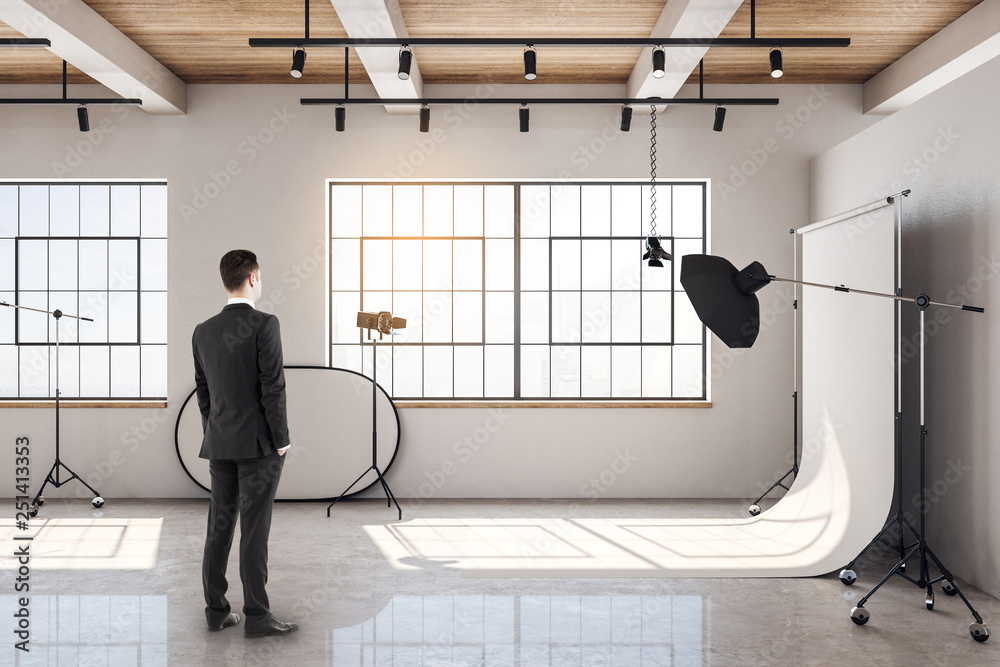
(860, 616)
(848, 577)
(754, 510)
(949, 589)
(40, 501)
(97, 502)
(929, 600)
(979, 632)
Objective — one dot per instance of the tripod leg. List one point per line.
(345, 491)
(755, 505)
(847, 575)
(388, 492)
(888, 576)
(73, 476)
(951, 580)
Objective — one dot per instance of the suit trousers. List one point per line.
(243, 487)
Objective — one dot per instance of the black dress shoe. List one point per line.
(271, 628)
(228, 622)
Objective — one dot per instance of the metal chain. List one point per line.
(652, 169)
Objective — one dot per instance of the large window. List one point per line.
(93, 249)
(518, 290)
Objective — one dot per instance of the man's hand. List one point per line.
(281, 452)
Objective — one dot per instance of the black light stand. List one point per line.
(54, 480)
(384, 322)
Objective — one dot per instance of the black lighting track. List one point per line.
(606, 101)
(735, 42)
(46, 101)
(24, 41)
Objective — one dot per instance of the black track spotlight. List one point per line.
(775, 57)
(522, 114)
(298, 62)
(340, 116)
(720, 118)
(626, 118)
(425, 118)
(83, 117)
(659, 62)
(529, 63)
(405, 58)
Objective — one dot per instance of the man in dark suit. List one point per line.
(241, 394)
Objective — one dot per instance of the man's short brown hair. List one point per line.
(235, 267)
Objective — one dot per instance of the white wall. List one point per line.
(945, 149)
(276, 205)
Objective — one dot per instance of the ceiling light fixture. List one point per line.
(340, 117)
(405, 59)
(529, 63)
(83, 118)
(626, 118)
(720, 118)
(775, 58)
(298, 62)
(659, 62)
(425, 118)
(522, 114)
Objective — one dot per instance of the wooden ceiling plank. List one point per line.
(81, 37)
(369, 19)
(680, 18)
(967, 43)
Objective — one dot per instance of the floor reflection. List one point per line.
(556, 630)
(91, 630)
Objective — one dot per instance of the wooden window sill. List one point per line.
(71, 403)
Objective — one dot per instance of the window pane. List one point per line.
(409, 306)
(346, 356)
(95, 210)
(626, 210)
(468, 372)
(499, 317)
(33, 327)
(33, 265)
(682, 247)
(125, 212)
(34, 207)
(407, 368)
(534, 264)
(468, 265)
(687, 326)
(62, 265)
(626, 369)
(566, 371)
(498, 210)
(345, 307)
(437, 317)
(499, 364)
(626, 264)
(95, 369)
(375, 302)
(69, 327)
(7, 323)
(595, 210)
(565, 317)
(534, 371)
(688, 371)
(597, 265)
(663, 225)
(377, 265)
(122, 317)
(500, 264)
(34, 371)
(8, 213)
(154, 371)
(376, 210)
(154, 317)
(153, 209)
(468, 313)
(8, 370)
(346, 257)
(566, 265)
(534, 211)
(687, 210)
(438, 211)
(468, 210)
(437, 265)
(625, 324)
(656, 373)
(656, 317)
(406, 261)
(438, 371)
(596, 310)
(345, 204)
(535, 317)
(384, 375)
(93, 265)
(123, 273)
(565, 210)
(64, 210)
(154, 264)
(124, 371)
(95, 306)
(7, 264)
(407, 209)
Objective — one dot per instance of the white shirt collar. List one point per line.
(239, 299)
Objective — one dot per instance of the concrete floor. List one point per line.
(356, 608)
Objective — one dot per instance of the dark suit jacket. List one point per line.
(240, 384)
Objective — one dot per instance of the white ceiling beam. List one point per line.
(965, 44)
(81, 37)
(370, 19)
(679, 18)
